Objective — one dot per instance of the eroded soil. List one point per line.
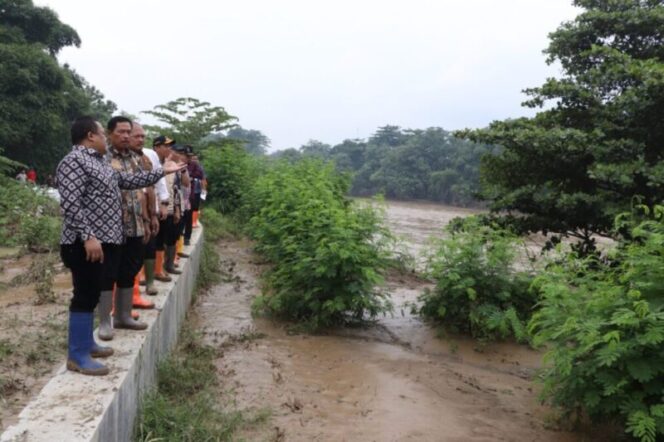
(32, 336)
(393, 381)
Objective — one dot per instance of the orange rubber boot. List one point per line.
(194, 217)
(137, 300)
(159, 273)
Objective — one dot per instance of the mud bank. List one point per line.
(394, 381)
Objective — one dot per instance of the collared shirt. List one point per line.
(132, 210)
(160, 187)
(90, 198)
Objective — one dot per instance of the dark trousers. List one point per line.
(167, 233)
(195, 201)
(133, 252)
(188, 224)
(87, 277)
(151, 247)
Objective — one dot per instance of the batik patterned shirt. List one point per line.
(132, 209)
(90, 198)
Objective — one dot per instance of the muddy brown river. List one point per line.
(395, 381)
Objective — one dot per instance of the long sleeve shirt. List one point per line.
(160, 187)
(132, 207)
(90, 198)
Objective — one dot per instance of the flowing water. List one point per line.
(395, 381)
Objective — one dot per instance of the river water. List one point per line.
(395, 381)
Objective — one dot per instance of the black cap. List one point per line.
(161, 139)
(188, 150)
(179, 148)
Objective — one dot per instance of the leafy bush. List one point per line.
(40, 233)
(27, 217)
(327, 253)
(603, 321)
(477, 289)
(231, 172)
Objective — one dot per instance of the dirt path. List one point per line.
(393, 382)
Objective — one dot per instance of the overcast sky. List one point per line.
(326, 70)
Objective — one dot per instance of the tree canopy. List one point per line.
(428, 164)
(190, 120)
(598, 142)
(38, 97)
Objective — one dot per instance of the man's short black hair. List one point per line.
(118, 119)
(81, 127)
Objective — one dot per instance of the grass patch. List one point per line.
(186, 406)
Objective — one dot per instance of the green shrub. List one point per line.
(477, 289)
(603, 321)
(231, 172)
(328, 254)
(40, 233)
(27, 217)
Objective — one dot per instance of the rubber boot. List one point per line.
(180, 248)
(159, 273)
(104, 308)
(122, 317)
(137, 300)
(169, 261)
(80, 345)
(150, 289)
(141, 275)
(194, 217)
(99, 351)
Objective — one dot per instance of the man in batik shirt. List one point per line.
(135, 225)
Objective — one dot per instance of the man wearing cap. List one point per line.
(92, 232)
(167, 236)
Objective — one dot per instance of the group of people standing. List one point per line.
(125, 208)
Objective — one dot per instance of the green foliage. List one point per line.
(40, 233)
(254, 141)
(9, 166)
(576, 165)
(426, 164)
(603, 322)
(477, 289)
(189, 120)
(328, 254)
(38, 97)
(27, 217)
(231, 171)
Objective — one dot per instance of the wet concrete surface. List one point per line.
(395, 380)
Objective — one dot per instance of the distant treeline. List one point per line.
(406, 164)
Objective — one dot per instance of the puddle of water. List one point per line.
(395, 381)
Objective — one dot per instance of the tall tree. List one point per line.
(38, 97)
(254, 141)
(575, 165)
(190, 120)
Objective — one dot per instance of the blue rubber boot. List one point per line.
(80, 345)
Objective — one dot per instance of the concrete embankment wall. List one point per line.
(73, 407)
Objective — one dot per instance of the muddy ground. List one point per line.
(393, 381)
(32, 334)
